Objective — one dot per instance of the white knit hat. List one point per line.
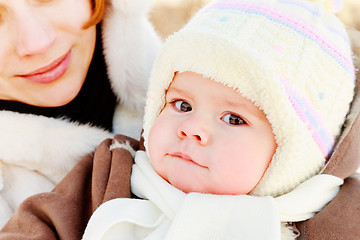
(292, 58)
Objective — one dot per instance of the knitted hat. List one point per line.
(291, 58)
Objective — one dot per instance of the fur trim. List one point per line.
(47, 145)
(126, 146)
(127, 122)
(287, 232)
(130, 45)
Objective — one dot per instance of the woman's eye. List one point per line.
(233, 119)
(182, 106)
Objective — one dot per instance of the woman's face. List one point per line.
(44, 51)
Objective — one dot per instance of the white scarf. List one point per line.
(171, 214)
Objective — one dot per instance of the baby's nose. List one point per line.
(193, 132)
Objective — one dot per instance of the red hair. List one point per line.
(98, 8)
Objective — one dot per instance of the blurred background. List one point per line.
(170, 15)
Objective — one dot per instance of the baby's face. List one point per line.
(210, 139)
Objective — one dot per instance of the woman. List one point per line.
(66, 83)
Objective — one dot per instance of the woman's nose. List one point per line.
(34, 35)
(195, 131)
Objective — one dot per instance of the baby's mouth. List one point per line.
(181, 155)
(185, 157)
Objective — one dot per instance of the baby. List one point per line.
(244, 106)
(210, 140)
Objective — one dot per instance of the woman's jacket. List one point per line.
(36, 152)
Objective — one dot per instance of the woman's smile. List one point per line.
(51, 72)
(45, 52)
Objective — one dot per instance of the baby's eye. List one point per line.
(182, 106)
(233, 119)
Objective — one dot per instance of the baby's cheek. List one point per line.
(155, 145)
(160, 168)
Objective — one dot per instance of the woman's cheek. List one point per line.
(78, 11)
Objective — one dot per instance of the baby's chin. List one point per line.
(181, 185)
(191, 188)
(209, 190)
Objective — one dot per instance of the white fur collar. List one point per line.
(130, 46)
(50, 146)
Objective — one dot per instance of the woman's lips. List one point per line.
(51, 72)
